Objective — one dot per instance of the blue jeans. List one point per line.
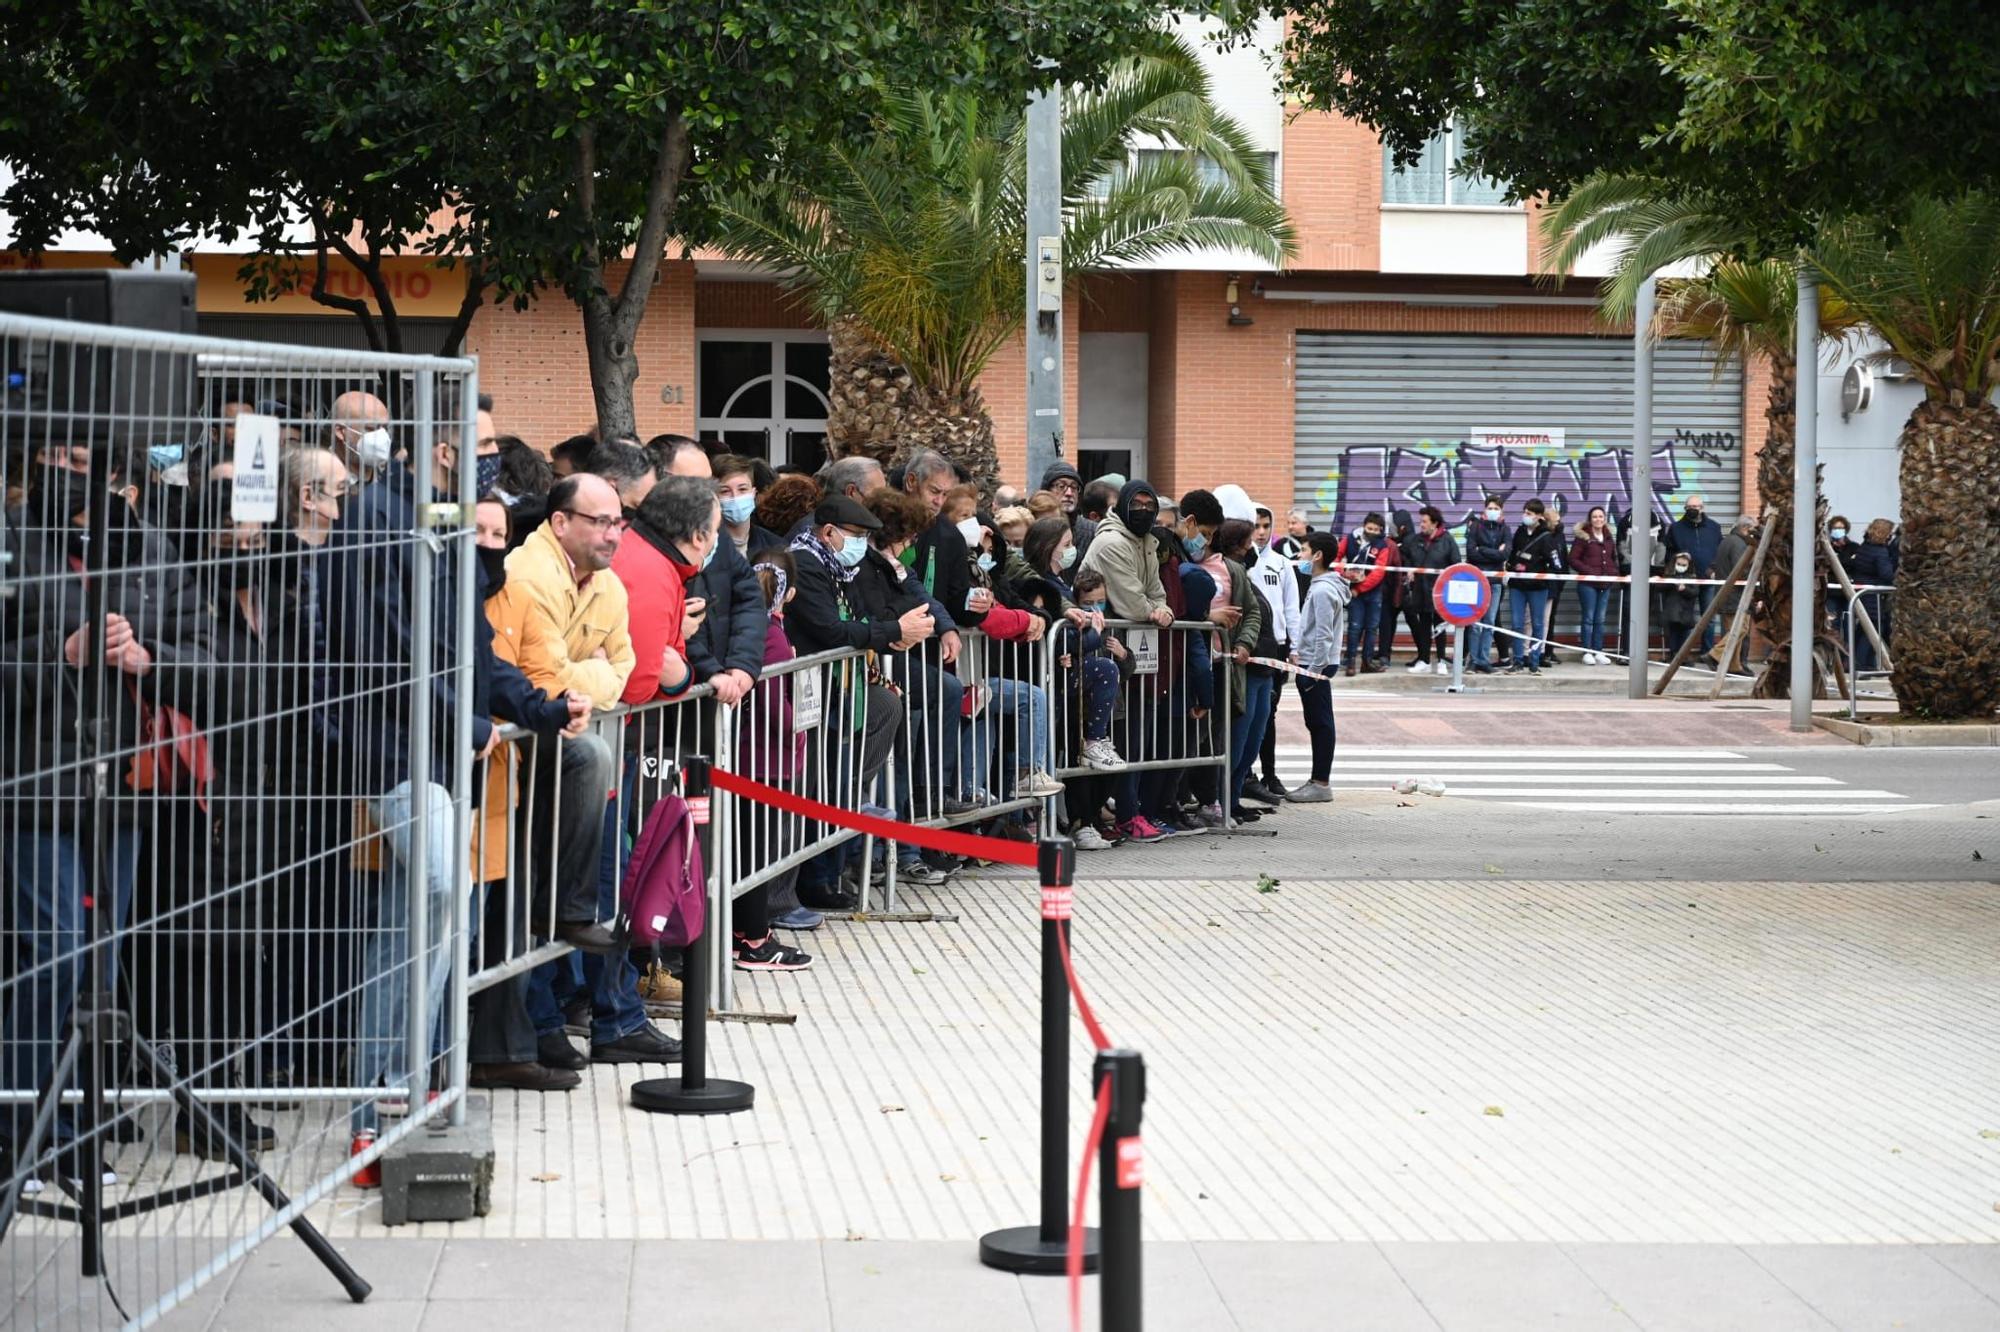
(1593, 598)
(1479, 637)
(381, 1054)
(1247, 733)
(1707, 595)
(1364, 622)
(50, 876)
(615, 1007)
(1027, 705)
(936, 699)
(1531, 603)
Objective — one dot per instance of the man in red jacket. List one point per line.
(1364, 562)
(673, 538)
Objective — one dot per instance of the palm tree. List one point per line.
(910, 245)
(1743, 308)
(1748, 309)
(1931, 290)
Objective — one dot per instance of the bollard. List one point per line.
(1121, 1165)
(1043, 1249)
(694, 1092)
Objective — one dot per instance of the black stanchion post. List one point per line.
(1121, 1165)
(1044, 1248)
(694, 1092)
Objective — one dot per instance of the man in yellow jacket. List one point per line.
(562, 618)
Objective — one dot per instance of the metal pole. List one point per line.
(423, 566)
(1043, 1249)
(466, 577)
(1805, 497)
(1639, 601)
(1122, 1167)
(1044, 273)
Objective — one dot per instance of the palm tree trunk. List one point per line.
(878, 411)
(1947, 613)
(1771, 605)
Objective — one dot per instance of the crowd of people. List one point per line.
(286, 787)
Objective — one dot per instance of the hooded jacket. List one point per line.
(1129, 561)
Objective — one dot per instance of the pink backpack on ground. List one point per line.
(665, 894)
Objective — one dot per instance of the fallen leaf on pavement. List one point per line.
(1496, 1112)
(548, 1178)
(892, 1109)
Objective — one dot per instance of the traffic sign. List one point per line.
(1462, 595)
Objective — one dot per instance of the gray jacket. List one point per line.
(1323, 623)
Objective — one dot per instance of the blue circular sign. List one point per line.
(1462, 595)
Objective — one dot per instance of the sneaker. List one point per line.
(767, 954)
(1515, 668)
(922, 872)
(1309, 793)
(834, 897)
(1088, 838)
(1139, 828)
(798, 918)
(1038, 784)
(1534, 670)
(1269, 791)
(648, 1045)
(1420, 668)
(1184, 825)
(1210, 816)
(1100, 754)
(1245, 815)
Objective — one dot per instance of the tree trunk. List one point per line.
(1771, 604)
(614, 366)
(1946, 611)
(878, 411)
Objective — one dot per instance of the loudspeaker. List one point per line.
(67, 388)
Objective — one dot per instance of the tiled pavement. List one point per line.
(1449, 1103)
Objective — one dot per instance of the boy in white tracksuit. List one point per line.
(1276, 577)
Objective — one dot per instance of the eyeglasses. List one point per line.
(603, 522)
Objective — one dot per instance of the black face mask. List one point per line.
(492, 569)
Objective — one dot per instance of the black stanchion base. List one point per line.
(1022, 1249)
(667, 1096)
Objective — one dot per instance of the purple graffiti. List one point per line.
(1382, 478)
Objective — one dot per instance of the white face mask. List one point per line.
(373, 448)
(1493, 515)
(970, 530)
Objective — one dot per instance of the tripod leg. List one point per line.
(43, 1128)
(205, 1120)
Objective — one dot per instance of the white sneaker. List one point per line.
(1088, 838)
(1596, 659)
(1038, 784)
(1420, 668)
(1101, 755)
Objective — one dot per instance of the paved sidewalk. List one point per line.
(1366, 716)
(812, 1285)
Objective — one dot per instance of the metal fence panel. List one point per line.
(235, 770)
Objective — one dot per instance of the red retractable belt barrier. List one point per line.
(936, 839)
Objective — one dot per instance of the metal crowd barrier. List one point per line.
(234, 766)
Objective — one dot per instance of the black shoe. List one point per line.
(1534, 670)
(833, 898)
(194, 1137)
(555, 1050)
(1514, 668)
(525, 1077)
(1242, 815)
(767, 954)
(648, 1045)
(590, 936)
(953, 806)
(576, 1014)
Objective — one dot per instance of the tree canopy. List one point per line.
(1778, 112)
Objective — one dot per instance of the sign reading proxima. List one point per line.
(1516, 437)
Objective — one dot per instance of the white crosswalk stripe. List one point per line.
(1603, 781)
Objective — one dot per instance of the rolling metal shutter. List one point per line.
(1382, 422)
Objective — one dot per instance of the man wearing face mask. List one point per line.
(445, 456)
(1699, 537)
(727, 650)
(359, 433)
(1487, 541)
(1128, 557)
(157, 654)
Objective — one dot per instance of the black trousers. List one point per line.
(501, 1031)
(1269, 754)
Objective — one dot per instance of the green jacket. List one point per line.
(1244, 635)
(1131, 569)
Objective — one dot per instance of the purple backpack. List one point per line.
(666, 892)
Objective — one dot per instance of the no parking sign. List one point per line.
(1462, 594)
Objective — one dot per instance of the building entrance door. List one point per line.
(764, 394)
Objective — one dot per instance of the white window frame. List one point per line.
(1452, 182)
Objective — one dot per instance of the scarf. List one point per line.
(808, 542)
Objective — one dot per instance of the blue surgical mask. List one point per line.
(1196, 546)
(1068, 557)
(738, 508)
(713, 546)
(985, 563)
(852, 550)
(1095, 607)
(1304, 566)
(163, 456)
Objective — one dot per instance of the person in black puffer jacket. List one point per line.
(1536, 549)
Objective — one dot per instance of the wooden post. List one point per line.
(1694, 636)
(1854, 606)
(1739, 623)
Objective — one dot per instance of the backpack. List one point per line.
(665, 893)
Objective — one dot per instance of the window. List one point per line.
(1436, 180)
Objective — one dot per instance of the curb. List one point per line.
(1974, 734)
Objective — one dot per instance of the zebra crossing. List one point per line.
(1603, 780)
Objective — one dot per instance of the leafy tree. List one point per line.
(1928, 282)
(1776, 112)
(551, 141)
(908, 241)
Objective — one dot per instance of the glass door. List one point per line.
(764, 395)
